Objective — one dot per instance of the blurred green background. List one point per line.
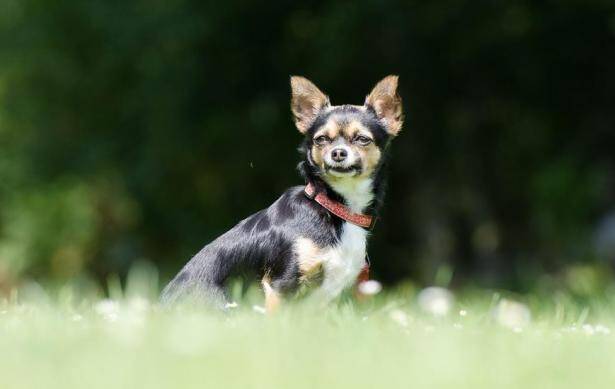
(138, 131)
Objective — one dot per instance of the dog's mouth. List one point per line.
(344, 171)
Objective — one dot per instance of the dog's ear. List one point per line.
(385, 101)
(307, 100)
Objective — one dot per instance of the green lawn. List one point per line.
(482, 341)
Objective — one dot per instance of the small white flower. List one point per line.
(108, 309)
(601, 329)
(436, 301)
(370, 287)
(259, 309)
(588, 329)
(399, 317)
(139, 304)
(76, 317)
(512, 314)
(463, 312)
(231, 305)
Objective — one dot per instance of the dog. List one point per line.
(316, 234)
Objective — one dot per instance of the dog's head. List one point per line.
(346, 141)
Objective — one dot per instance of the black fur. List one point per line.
(263, 243)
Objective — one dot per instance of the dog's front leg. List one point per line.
(272, 297)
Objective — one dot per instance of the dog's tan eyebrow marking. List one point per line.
(355, 128)
(331, 129)
(321, 131)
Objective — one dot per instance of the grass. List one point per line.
(389, 341)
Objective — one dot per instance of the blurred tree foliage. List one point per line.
(135, 130)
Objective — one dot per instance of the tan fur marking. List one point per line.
(330, 129)
(355, 128)
(370, 155)
(309, 257)
(317, 155)
(333, 129)
(272, 298)
(350, 131)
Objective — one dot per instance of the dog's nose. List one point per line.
(339, 154)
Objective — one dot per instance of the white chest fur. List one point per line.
(343, 262)
(357, 192)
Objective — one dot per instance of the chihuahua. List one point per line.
(313, 235)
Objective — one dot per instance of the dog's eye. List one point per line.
(321, 140)
(362, 140)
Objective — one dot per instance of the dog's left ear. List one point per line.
(385, 101)
(307, 101)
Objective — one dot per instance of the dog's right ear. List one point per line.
(306, 102)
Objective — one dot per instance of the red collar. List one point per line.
(339, 209)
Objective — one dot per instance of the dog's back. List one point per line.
(262, 243)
